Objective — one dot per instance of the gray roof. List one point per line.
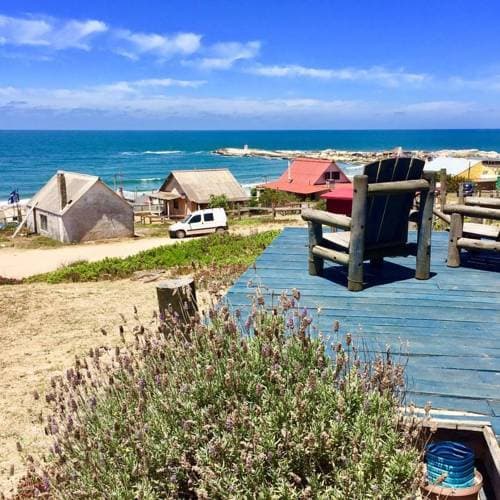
(453, 166)
(76, 186)
(200, 185)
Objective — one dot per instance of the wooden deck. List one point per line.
(448, 325)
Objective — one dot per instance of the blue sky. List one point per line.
(220, 64)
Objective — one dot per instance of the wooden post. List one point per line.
(456, 228)
(461, 197)
(177, 296)
(443, 188)
(357, 242)
(423, 268)
(315, 237)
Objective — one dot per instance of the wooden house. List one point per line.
(75, 207)
(308, 177)
(482, 172)
(185, 191)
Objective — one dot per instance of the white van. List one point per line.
(211, 220)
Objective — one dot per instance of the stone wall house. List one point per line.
(75, 207)
(185, 191)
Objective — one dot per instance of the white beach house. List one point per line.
(75, 207)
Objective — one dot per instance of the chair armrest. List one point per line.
(326, 218)
(483, 202)
(473, 211)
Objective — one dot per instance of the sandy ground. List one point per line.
(42, 328)
(20, 263)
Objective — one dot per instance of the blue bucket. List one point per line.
(452, 460)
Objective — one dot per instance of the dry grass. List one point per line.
(42, 328)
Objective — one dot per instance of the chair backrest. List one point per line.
(387, 215)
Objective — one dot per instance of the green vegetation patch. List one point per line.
(219, 250)
(231, 407)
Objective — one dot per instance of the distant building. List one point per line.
(75, 207)
(185, 191)
(308, 177)
(482, 172)
(453, 166)
(10, 214)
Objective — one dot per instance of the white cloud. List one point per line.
(168, 82)
(141, 98)
(141, 86)
(163, 46)
(76, 34)
(223, 55)
(484, 83)
(378, 74)
(49, 32)
(450, 107)
(17, 31)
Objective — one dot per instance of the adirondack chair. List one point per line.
(485, 237)
(378, 227)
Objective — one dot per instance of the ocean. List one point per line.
(140, 160)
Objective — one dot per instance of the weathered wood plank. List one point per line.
(473, 211)
(393, 187)
(329, 219)
(449, 324)
(357, 239)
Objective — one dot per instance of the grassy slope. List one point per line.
(219, 250)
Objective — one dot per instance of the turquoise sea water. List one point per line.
(144, 158)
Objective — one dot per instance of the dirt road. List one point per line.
(20, 263)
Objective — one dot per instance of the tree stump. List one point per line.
(177, 296)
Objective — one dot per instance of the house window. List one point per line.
(209, 217)
(176, 204)
(43, 222)
(332, 176)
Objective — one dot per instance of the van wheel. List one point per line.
(180, 234)
(220, 230)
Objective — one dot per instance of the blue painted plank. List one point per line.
(449, 324)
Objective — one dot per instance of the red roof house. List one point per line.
(339, 199)
(308, 177)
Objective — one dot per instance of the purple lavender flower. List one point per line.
(142, 385)
(248, 322)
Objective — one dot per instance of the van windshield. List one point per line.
(186, 219)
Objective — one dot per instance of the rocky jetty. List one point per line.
(355, 157)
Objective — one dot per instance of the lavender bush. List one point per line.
(229, 406)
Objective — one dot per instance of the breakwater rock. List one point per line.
(354, 157)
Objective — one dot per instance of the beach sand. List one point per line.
(43, 327)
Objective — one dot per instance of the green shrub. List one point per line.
(453, 182)
(275, 198)
(320, 204)
(219, 201)
(230, 407)
(226, 249)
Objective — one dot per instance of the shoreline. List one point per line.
(353, 157)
